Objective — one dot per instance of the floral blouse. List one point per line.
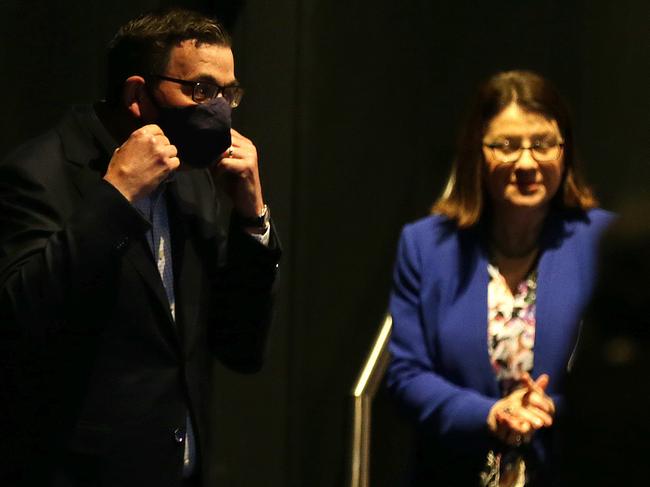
(511, 328)
(511, 337)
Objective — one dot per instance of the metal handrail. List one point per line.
(364, 391)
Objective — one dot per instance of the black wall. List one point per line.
(354, 108)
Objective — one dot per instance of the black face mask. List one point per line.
(201, 133)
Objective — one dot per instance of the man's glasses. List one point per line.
(510, 150)
(203, 91)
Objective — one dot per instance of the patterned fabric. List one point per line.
(155, 210)
(511, 337)
(511, 328)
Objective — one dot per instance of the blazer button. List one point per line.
(179, 435)
(122, 243)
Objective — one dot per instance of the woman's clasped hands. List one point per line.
(515, 418)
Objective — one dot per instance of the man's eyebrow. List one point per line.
(208, 78)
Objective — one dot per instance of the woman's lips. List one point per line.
(527, 186)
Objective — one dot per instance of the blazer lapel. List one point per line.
(187, 285)
(474, 277)
(88, 152)
(140, 257)
(480, 292)
(552, 328)
(558, 304)
(82, 148)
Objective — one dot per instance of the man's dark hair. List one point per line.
(142, 46)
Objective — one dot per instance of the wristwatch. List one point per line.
(260, 222)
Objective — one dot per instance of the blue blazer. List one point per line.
(440, 370)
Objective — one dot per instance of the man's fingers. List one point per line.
(160, 139)
(174, 162)
(236, 151)
(237, 136)
(233, 165)
(170, 150)
(238, 140)
(151, 129)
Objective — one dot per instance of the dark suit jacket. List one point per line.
(440, 370)
(96, 376)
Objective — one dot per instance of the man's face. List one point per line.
(190, 61)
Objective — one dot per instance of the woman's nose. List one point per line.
(526, 160)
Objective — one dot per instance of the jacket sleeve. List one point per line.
(244, 298)
(447, 411)
(57, 253)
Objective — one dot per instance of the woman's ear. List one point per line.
(134, 96)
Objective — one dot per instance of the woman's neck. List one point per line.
(515, 233)
(514, 242)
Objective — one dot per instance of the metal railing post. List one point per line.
(364, 390)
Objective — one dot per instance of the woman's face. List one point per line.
(516, 176)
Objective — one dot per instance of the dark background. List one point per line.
(354, 107)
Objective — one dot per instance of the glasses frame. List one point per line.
(221, 90)
(519, 152)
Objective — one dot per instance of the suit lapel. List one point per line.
(187, 285)
(82, 148)
(87, 153)
(140, 257)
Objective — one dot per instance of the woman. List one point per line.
(489, 290)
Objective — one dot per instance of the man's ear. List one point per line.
(134, 96)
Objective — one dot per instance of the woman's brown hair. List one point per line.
(463, 199)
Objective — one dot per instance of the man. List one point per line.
(117, 285)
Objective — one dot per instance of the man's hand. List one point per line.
(140, 164)
(238, 166)
(515, 418)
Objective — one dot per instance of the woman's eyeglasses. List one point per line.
(510, 149)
